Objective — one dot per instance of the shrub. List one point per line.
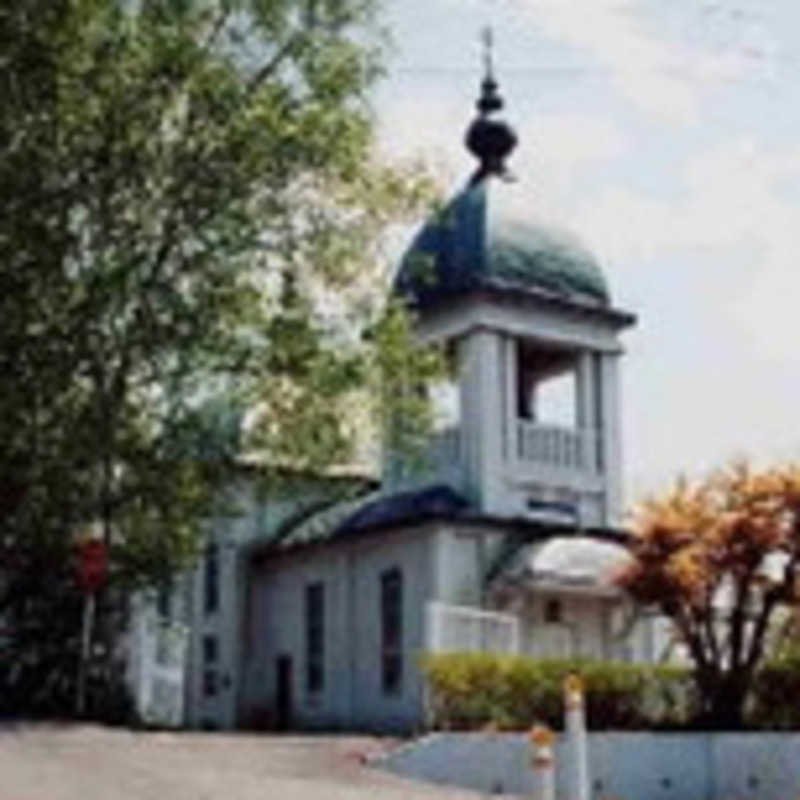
(776, 689)
(473, 690)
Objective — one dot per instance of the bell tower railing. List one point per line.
(561, 449)
(555, 446)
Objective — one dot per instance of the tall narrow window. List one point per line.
(164, 598)
(315, 636)
(210, 649)
(210, 683)
(210, 655)
(391, 630)
(211, 587)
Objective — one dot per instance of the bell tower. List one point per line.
(534, 408)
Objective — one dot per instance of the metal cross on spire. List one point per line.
(487, 37)
(489, 99)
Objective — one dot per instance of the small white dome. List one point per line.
(572, 559)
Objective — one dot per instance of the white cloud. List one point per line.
(713, 369)
(733, 206)
(574, 139)
(638, 63)
(661, 74)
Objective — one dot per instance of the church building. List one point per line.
(309, 611)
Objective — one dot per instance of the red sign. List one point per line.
(92, 565)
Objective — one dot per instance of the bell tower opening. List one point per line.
(555, 422)
(546, 386)
(445, 396)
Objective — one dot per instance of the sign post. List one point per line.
(92, 574)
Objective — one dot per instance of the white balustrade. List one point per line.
(560, 448)
(463, 629)
(554, 446)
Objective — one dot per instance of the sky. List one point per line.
(664, 133)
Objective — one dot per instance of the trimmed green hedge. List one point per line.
(775, 698)
(473, 690)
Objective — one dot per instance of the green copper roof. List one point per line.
(478, 242)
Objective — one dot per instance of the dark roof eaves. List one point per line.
(280, 548)
(541, 529)
(549, 529)
(432, 301)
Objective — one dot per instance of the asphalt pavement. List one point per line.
(87, 762)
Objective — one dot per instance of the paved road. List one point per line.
(45, 762)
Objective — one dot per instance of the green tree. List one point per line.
(191, 221)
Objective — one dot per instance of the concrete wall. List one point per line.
(623, 766)
(352, 694)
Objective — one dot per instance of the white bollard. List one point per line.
(544, 772)
(577, 752)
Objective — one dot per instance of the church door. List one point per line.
(284, 693)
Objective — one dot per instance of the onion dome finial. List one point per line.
(490, 140)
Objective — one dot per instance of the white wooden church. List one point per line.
(309, 611)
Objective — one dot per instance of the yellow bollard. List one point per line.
(573, 691)
(543, 761)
